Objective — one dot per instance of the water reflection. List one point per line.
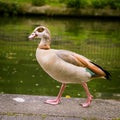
(98, 40)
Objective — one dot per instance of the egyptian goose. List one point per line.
(65, 66)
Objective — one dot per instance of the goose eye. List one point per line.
(40, 29)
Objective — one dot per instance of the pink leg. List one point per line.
(89, 96)
(57, 100)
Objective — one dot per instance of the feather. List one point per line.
(79, 60)
(107, 74)
(71, 58)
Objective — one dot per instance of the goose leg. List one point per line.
(89, 96)
(58, 99)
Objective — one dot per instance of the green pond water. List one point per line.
(99, 40)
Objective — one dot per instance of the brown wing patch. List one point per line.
(91, 66)
(70, 58)
(79, 60)
(96, 69)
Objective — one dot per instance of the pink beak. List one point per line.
(33, 35)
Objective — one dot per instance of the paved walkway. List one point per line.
(27, 107)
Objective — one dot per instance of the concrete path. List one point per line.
(26, 107)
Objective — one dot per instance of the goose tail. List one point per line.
(107, 74)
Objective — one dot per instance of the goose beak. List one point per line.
(33, 35)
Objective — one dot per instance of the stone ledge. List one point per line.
(29, 107)
(58, 11)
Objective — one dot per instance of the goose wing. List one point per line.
(79, 60)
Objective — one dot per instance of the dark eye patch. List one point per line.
(40, 29)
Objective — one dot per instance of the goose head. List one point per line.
(44, 34)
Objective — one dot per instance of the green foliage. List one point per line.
(114, 4)
(9, 8)
(14, 7)
(76, 3)
(99, 3)
(38, 2)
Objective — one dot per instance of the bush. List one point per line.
(99, 3)
(76, 3)
(114, 4)
(38, 2)
(9, 8)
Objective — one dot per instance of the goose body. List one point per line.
(57, 68)
(65, 66)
